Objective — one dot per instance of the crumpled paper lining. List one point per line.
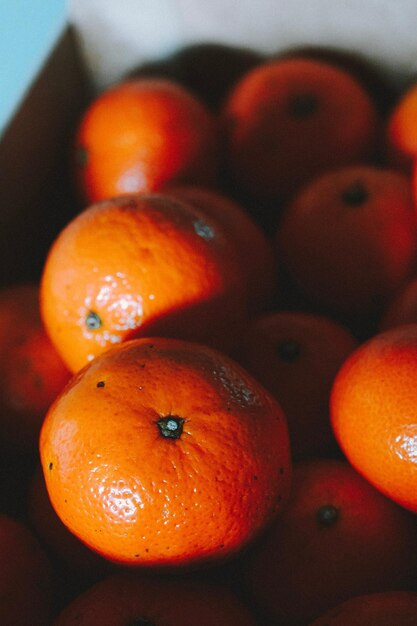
(117, 35)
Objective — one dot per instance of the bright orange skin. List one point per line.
(350, 259)
(392, 608)
(147, 264)
(374, 412)
(31, 371)
(139, 498)
(255, 250)
(401, 130)
(296, 357)
(303, 567)
(272, 150)
(141, 135)
(26, 577)
(125, 599)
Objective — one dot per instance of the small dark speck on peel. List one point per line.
(327, 515)
(50, 466)
(101, 383)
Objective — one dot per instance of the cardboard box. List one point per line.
(105, 38)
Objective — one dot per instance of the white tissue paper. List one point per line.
(117, 35)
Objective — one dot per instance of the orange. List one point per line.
(61, 544)
(141, 134)
(374, 411)
(348, 239)
(392, 608)
(338, 537)
(296, 356)
(26, 577)
(401, 130)
(290, 119)
(140, 264)
(402, 309)
(31, 371)
(124, 600)
(187, 463)
(254, 248)
(368, 72)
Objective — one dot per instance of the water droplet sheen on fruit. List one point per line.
(203, 230)
(405, 445)
(132, 180)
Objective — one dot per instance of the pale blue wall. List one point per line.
(28, 30)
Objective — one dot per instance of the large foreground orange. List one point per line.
(137, 264)
(374, 412)
(164, 452)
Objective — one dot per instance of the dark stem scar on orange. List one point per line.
(288, 350)
(356, 194)
(327, 515)
(303, 105)
(93, 320)
(171, 426)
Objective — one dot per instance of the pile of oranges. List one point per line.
(208, 400)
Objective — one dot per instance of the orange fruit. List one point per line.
(188, 462)
(374, 410)
(368, 72)
(290, 119)
(61, 544)
(348, 239)
(26, 577)
(138, 601)
(391, 608)
(401, 130)
(296, 356)
(337, 537)
(31, 371)
(402, 309)
(254, 248)
(141, 134)
(143, 264)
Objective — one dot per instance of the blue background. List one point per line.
(28, 31)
